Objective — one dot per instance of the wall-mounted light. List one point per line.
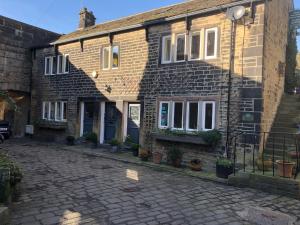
(94, 74)
(236, 13)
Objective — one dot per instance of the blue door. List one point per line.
(133, 122)
(88, 117)
(110, 121)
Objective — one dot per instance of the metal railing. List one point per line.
(274, 145)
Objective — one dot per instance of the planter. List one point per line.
(114, 149)
(135, 152)
(285, 168)
(268, 164)
(157, 157)
(176, 163)
(224, 171)
(195, 166)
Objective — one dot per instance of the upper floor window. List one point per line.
(211, 43)
(106, 58)
(166, 49)
(55, 111)
(115, 57)
(57, 64)
(180, 48)
(195, 45)
(110, 57)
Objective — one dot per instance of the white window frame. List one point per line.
(173, 115)
(60, 58)
(56, 111)
(159, 114)
(112, 57)
(215, 29)
(190, 45)
(50, 65)
(65, 63)
(109, 57)
(175, 49)
(163, 61)
(43, 113)
(188, 115)
(213, 114)
(49, 103)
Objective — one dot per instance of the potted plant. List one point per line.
(144, 155)
(196, 164)
(175, 157)
(135, 149)
(285, 168)
(70, 140)
(115, 144)
(92, 137)
(157, 157)
(224, 167)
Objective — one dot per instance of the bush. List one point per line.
(92, 137)
(114, 142)
(212, 137)
(224, 162)
(15, 172)
(174, 154)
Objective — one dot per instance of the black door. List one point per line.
(88, 118)
(110, 121)
(133, 124)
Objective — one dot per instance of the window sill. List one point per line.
(54, 125)
(189, 139)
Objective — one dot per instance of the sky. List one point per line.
(61, 16)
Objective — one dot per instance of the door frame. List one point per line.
(125, 116)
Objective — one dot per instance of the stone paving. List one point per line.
(63, 187)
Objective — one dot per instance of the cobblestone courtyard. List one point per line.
(62, 187)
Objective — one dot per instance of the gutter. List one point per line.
(155, 22)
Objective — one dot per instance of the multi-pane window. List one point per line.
(106, 58)
(180, 48)
(177, 115)
(55, 111)
(115, 57)
(56, 65)
(166, 49)
(192, 115)
(195, 46)
(164, 114)
(211, 43)
(195, 118)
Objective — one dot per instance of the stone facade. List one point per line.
(141, 78)
(16, 41)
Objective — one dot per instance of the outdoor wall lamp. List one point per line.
(94, 74)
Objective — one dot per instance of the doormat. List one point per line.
(265, 216)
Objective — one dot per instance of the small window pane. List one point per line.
(210, 47)
(106, 58)
(208, 116)
(67, 64)
(47, 65)
(167, 49)
(60, 64)
(52, 110)
(195, 46)
(115, 51)
(193, 116)
(45, 110)
(54, 64)
(58, 111)
(164, 114)
(64, 117)
(180, 48)
(178, 112)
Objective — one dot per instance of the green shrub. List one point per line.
(15, 172)
(224, 162)
(114, 142)
(212, 137)
(92, 137)
(174, 154)
(135, 146)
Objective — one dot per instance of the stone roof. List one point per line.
(148, 17)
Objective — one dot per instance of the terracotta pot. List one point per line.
(268, 164)
(285, 168)
(176, 163)
(157, 157)
(196, 166)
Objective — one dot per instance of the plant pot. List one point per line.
(195, 166)
(135, 152)
(176, 163)
(223, 171)
(268, 164)
(114, 149)
(285, 168)
(157, 157)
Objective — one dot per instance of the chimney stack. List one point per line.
(86, 19)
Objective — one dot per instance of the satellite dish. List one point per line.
(235, 13)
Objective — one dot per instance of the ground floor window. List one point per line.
(187, 115)
(55, 111)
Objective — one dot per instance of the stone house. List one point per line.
(167, 68)
(16, 42)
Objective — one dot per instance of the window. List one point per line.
(166, 49)
(106, 56)
(192, 116)
(60, 62)
(211, 43)
(164, 114)
(180, 48)
(49, 62)
(177, 115)
(56, 111)
(66, 64)
(208, 116)
(195, 46)
(115, 55)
